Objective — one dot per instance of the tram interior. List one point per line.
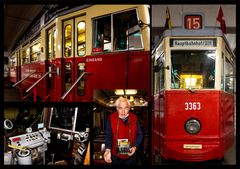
(47, 136)
(60, 135)
(193, 69)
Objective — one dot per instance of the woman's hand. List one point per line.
(107, 156)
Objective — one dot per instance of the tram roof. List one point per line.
(180, 32)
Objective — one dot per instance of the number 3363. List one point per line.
(192, 105)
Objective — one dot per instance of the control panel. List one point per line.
(31, 140)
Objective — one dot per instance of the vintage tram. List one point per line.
(193, 95)
(71, 52)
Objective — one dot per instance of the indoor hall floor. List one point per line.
(11, 94)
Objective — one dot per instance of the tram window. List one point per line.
(51, 48)
(12, 60)
(162, 72)
(81, 38)
(25, 56)
(102, 34)
(83, 117)
(68, 41)
(62, 118)
(35, 52)
(159, 75)
(157, 78)
(125, 26)
(49, 45)
(229, 85)
(67, 75)
(81, 83)
(126, 32)
(192, 69)
(222, 73)
(18, 59)
(54, 43)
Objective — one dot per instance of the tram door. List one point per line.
(15, 67)
(74, 50)
(51, 63)
(159, 103)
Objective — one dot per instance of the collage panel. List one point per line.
(57, 135)
(120, 127)
(70, 51)
(194, 84)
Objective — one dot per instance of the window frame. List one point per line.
(202, 49)
(112, 32)
(227, 57)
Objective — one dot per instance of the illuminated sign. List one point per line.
(192, 43)
(193, 21)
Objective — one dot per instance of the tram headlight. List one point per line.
(193, 126)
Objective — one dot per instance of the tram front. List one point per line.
(196, 111)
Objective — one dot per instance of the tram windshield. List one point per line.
(63, 118)
(193, 69)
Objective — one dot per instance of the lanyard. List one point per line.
(129, 127)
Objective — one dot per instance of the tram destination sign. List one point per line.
(192, 42)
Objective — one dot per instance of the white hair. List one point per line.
(120, 100)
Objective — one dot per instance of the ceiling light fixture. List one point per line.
(125, 92)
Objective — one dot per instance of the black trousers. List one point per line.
(128, 161)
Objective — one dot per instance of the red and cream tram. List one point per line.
(74, 51)
(193, 86)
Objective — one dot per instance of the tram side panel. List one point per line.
(139, 71)
(156, 126)
(104, 71)
(107, 70)
(227, 120)
(13, 74)
(162, 116)
(41, 87)
(120, 70)
(39, 69)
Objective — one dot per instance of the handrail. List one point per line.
(67, 92)
(23, 79)
(38, 81)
